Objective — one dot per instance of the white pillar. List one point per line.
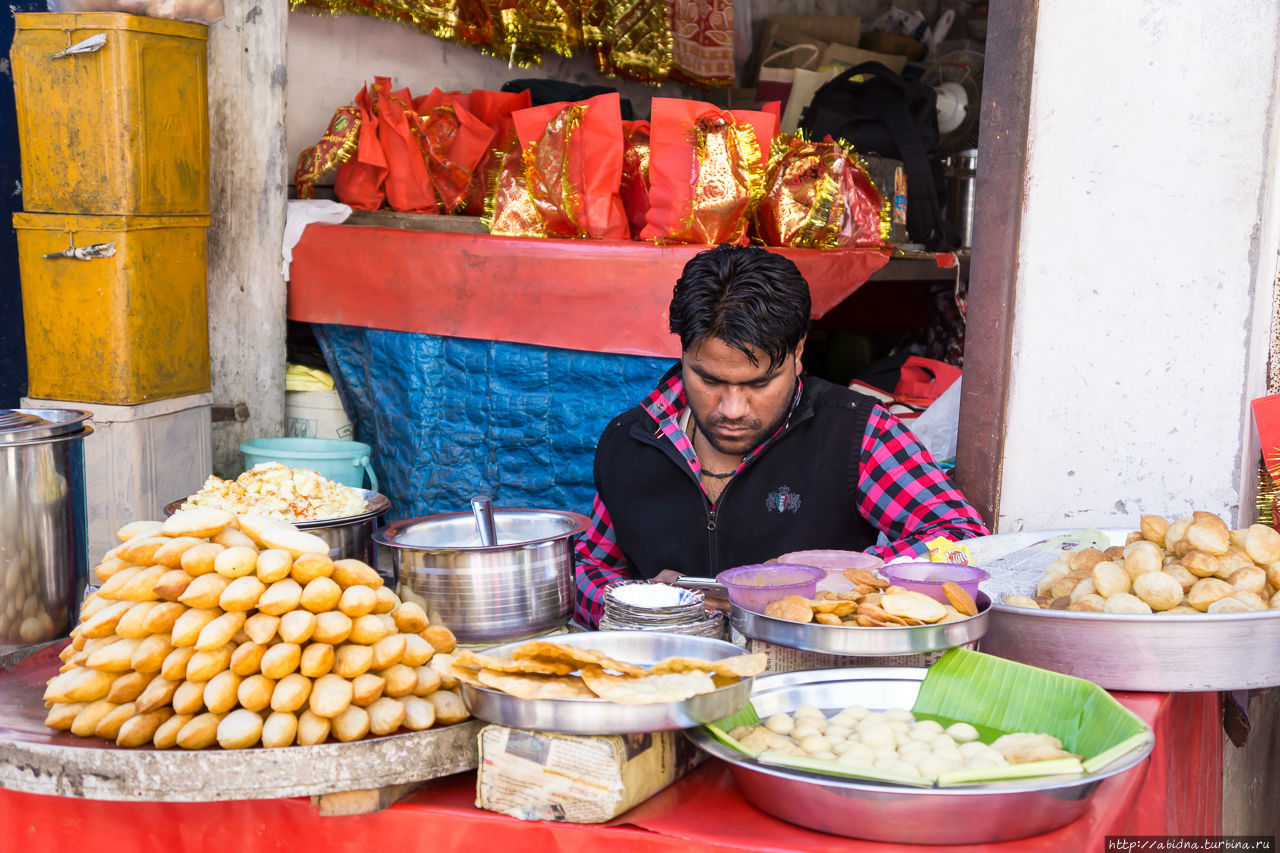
(1145, 284)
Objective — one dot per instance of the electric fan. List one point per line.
(957, 79)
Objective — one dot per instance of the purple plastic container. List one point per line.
(753, 587)
(929, 578)
(834, 562)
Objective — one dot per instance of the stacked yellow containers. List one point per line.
(113, 128)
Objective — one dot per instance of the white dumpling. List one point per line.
(885, 752)
(914, 746)
(962, 732)
(904, 768)
(844, 718)
(899, 714)
(972, 748)
(803, 730)
(901, 727)
(835, 732)
(780, 723)
(980, 763)
(825, 755)
(876, 736)
(857, 712)
(921, 734)
(857, 755)
(942, 741)
(809, 711)
(932, 725)
(931, 766)
(913, 756)
(815, 743)
(874, 718)
(841, 747)
(950, 753)
(994, 756)
(885, 763)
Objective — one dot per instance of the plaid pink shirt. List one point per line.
(901, 492)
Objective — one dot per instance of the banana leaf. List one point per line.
(997, 694)
(746, 716)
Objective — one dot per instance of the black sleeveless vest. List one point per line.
(799, 493)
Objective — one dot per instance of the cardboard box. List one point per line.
(576, 778)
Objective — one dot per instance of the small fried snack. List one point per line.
(959, 598)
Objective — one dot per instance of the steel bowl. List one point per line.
(976, 814)
(349, 537)
(1177, 652)
(520, 587)
(857, 641)
(598, 717)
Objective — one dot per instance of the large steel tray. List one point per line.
(39, 760)
(856, 641)
(1174, 653)
(596, 716)
(976, 814)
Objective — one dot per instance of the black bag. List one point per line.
(884, 114)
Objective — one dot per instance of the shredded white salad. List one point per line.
(277, 491)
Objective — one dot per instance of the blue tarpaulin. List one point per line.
(452, 417)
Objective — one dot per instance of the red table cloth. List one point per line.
(1178, 791)
(593, 295)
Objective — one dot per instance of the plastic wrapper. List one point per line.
(635, 174)
(361, 178)
(573, 167)
(705, 171)
(193, 11)
(817, 195)
(449, 417)
(409, 188)
(494, 109)
(454, 142)
(338, 144)
(509, 210)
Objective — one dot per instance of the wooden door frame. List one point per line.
(1000, 194)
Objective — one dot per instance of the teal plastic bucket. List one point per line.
(345, 462)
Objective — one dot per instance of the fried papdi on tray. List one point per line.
(740, 665)
(543, 650)
(649, 689)
(527, 665)
(526, 686)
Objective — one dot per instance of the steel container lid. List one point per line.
(457, 530)
(27, 425)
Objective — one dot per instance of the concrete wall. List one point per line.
(1148, 256)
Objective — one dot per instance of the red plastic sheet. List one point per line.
(1177, 792)
(593, 295)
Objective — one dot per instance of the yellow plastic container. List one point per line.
(124, 327)
(120, 129)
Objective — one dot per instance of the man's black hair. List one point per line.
(748, 297)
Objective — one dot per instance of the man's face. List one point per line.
(736, 404)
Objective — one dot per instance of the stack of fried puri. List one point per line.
(1194, 564)
(211, 628)
(874, 603)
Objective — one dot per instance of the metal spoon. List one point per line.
(482, 509)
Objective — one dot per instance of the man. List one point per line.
(735, 458)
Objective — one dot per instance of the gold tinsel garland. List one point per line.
(630, 38)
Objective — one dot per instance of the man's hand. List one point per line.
(671, 576)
